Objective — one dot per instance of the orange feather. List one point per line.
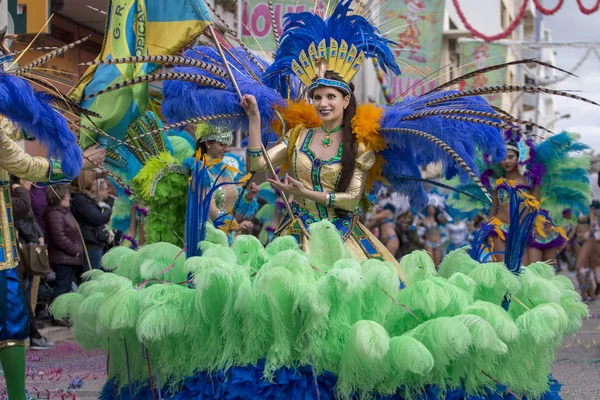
(365, 126)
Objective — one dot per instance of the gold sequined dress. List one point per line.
(322, 176)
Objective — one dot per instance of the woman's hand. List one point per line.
(289, 185)
(251, 191)
(244, 228)
(250, 105)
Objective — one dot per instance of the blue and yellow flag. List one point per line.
(135, 28)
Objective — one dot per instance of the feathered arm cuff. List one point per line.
(246, 209)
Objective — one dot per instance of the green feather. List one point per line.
(326, 245)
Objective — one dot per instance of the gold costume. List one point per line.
(13, 160)
(322, 176)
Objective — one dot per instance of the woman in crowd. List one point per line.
(65, 247)
(91, 216)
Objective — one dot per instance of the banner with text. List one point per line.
(477, 55)
(257, 31)
(417, 27)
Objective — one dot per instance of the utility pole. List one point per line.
(538, 68)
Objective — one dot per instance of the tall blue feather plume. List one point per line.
(479, 245)
(32, 112)
(521, 227)
(185, 100)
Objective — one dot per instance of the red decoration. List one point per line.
(588, 11)
(548, 11)
(499, 36)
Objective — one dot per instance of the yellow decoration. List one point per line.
(528, 196)
(245, 179)
(229, 225)
(540, 223)
(561, 232)
(318, 58)
(232, 169)
(497, 227)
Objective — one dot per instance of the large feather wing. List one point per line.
(185, 100)
(408, 150)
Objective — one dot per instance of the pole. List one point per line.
(237, 89)
(538, 68)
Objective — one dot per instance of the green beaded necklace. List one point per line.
(326, 141)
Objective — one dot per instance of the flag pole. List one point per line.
(237, 89)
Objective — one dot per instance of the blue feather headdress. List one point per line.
(32, 111)
(310, 46)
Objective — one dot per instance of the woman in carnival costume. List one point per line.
(545, 172)
(154, 172)
(22, 107)
(244, 321)
(214, 142)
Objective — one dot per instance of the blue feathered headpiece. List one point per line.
(309, 46)
(32, 111)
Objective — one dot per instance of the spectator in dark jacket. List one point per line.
(65, 248)
(91, 216)
(38, 203)
(28, 232)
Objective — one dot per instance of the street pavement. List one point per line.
(577, 364)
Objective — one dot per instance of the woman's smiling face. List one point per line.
(329, 103)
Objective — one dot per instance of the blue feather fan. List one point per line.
(411, 152)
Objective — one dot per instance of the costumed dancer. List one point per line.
(545, 172)
(457, 232)
(214, 141)
(22, 107)
(248, 321)
(434, 222)
(384, 218)
(154, 164)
